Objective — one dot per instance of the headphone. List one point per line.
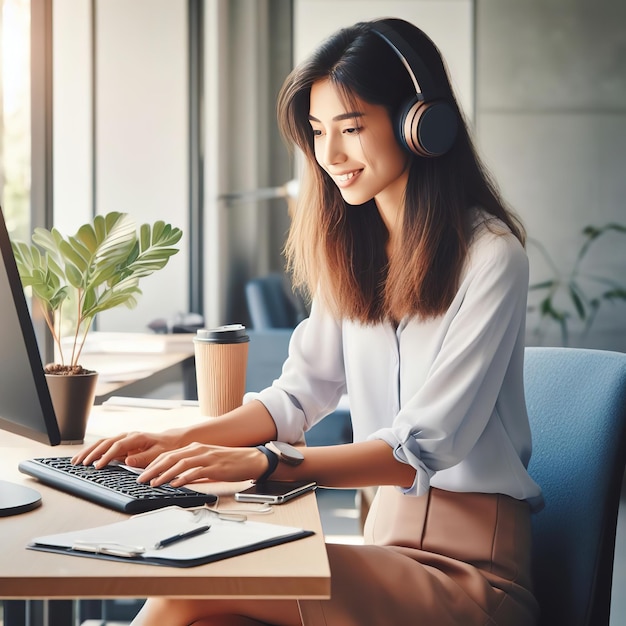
(426, 124)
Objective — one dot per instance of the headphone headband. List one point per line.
(424, 86)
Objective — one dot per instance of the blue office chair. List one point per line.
(576, 402)
(274, 313)
(270, 304)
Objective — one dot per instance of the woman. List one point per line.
(419, 279)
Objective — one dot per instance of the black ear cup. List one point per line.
(427, 129)
(427, 125)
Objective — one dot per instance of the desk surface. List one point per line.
(294, 570)
(136, 363)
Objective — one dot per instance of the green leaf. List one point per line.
(134, 254)
(54, 267)
(73, 257)
(118, 238)
(578, 302)
(48, 240)
(155, 249)
(74, 276)
(547, 284)
(157, 231)
(40, 273)
(547, 310)
(144, 237)
(115, 297)
(620, 228)
(87, 236)
(614, 294)
(90, 300)
(592, 232)
(108, 243)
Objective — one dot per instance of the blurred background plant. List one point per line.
(576, 294)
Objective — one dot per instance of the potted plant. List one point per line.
(577, 293)
(73, 279)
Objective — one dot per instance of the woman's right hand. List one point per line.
(134, 449)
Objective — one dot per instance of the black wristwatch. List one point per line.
(277, 451)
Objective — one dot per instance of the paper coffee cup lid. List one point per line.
(230, 333)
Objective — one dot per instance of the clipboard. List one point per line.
(135, 540)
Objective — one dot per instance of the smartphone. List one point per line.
(275, 492)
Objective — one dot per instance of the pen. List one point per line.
(181, 537)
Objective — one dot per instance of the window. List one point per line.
(15, 132)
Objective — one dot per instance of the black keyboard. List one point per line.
(111, 486)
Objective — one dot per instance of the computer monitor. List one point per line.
(25, 405)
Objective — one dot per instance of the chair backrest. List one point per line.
(269, 304)
(267, 352)
(576, 402)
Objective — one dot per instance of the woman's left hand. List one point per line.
(198, 460)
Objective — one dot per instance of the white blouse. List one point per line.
(446, 394)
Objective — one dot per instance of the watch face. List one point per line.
(287, 452)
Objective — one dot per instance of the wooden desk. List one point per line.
(294, 570)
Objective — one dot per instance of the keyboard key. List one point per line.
(111, 486)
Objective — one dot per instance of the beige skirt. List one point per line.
(442, 559)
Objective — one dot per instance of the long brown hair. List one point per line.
(337, 251)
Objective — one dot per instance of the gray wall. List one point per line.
(551, 121)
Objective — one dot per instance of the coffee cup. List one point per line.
(221, 360)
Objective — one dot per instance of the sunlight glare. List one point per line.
(15, 38)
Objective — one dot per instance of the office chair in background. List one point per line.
(576, 402)
(270, 304)
(274, 313)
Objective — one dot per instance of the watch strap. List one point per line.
(272, 457)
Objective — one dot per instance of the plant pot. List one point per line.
(72, 399)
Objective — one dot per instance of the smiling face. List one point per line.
(358, 149)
